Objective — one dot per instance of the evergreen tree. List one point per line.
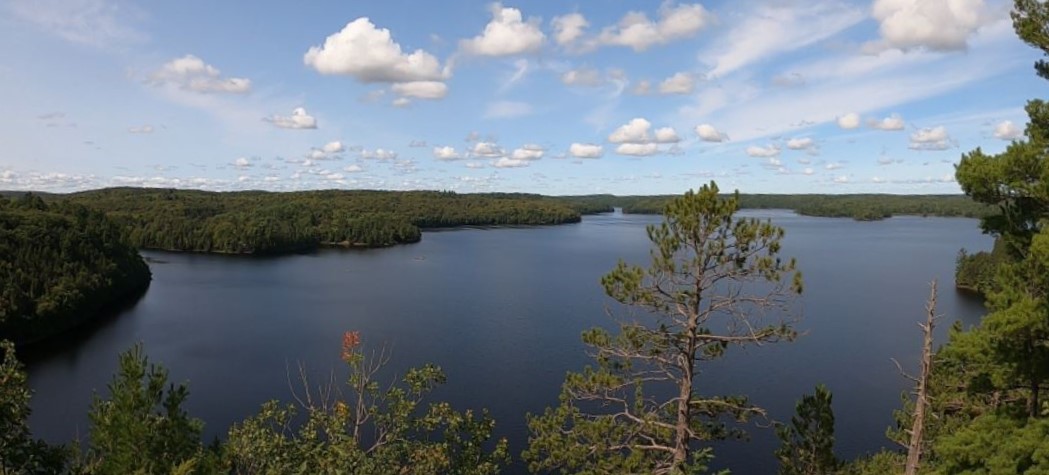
(19, 452)
(714, 282)
(807, 443)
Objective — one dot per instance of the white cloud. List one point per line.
(446, 153)
(637, 149)
(487, 150)
(808, 171)
(299, 119)
(401, 102)
(191, 73)
(585, 150)
(588, 77)
(507, 34)
(145, 129)
(708, 133)
(841, 179)
(353, 169)
(379, 153)
(773, 28)
(242, 162)
(938, 25)
(635, 131)
(569, 28)
(528, 152)
(892, 122)
(333, 147)
(766, 151)
(849, 121)
(506, 162)
(680, 83)
(934, 138)
(666, 135)
(801, 143)
(507, 109)
(1006, 130)
(421, 89)
(474, 165)
(832, 166)
(369, 54)
(635, 30)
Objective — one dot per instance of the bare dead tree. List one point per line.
(916, 441)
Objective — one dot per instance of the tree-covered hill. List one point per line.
(257, 222)
(60, 263)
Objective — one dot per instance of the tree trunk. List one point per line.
(921, 402)
(684, 403)
(1033, 406)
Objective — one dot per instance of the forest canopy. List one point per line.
(59, 264)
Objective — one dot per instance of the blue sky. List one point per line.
(776, 96)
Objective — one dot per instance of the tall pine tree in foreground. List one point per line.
(715, 281)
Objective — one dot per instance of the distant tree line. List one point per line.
(256, 222)
(60, 263)
(864, 207)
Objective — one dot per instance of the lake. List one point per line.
(501, 311)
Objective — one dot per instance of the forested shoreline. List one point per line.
(60, 265)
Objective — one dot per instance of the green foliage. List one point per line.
(807, 443)
(256, 222)
(979, 272)
(142, 427)
(375, 429)
(879, 463)
(19, 452)
(995, 444)
(59, 264)
(710, 281)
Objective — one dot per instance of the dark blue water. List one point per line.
(501, 311)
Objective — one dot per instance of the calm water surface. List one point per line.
(501, 311)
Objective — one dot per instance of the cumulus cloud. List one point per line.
(849, 121)
(446, 153)
(636, 31)
(841, 179)
(145, 129)
(937, 25)
(801, 143)
(588, 77)
(507, 109)
(487, 150)
(333, 147)
(421, 89)
(635, 131)
(680, 83)
(585, 150)
(191, 73)
(1007, 130)
(708, 133)
(569, 28)
(528, 152)
(353, 169)
(892, 122)
(299, 119)
(507, 162)
(401, 102)
(766, 151)
(833, 166)
(242, 162)
(642, 88)
(638, 149)
(369, 55)
(379, 154)
(507, 34)
(931, 138)
(666, 135)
